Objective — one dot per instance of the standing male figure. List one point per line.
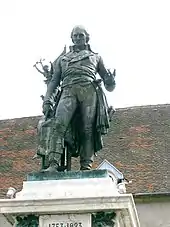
(76, 72)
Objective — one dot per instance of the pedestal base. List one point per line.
(96, 183)
(79, 197)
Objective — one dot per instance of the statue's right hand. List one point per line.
(47, 108)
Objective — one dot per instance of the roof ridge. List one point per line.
(144, 106)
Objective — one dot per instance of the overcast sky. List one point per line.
(132, 36)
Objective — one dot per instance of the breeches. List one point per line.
(84, 97)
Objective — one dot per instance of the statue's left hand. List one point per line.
(112, 74)
(110, 79)
(47, 108)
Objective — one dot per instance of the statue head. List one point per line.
(79, 35)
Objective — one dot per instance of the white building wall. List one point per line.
(154, 214)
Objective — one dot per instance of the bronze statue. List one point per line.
(75, 106)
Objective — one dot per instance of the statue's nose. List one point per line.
(78, 37)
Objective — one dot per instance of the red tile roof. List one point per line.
(137, 144)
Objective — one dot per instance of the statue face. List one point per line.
(79, 37)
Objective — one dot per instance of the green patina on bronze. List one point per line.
(103, 219)
(27, 221)
(76, 113)
(40, 176)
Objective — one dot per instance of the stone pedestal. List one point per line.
(71, 199)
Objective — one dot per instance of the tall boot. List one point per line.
(87, 152)
(54, 162)
(86, 164)
(55, 152)
(86, 155)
